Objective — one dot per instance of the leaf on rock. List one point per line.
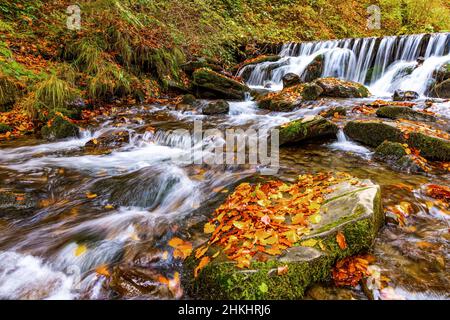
(340, 239)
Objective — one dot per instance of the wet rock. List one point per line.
(373, 133)
(355, 211)
(441, 90)
(335, 110)
(59, 128)
(337, 88)
(394, 154)
(174, 87)
(17, 200)
(188, 99)
(108, 141)
(216, 107)
(291, 79)
(400, 95)
(188, 103)
(290, 98)
(431, 148)
(394, 112)
(191, 66)
(212, 85)
(442, 73)
(308, 128)
(74, 109)
(8, 93)
(314, 70)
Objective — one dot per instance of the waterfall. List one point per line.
(384, 64)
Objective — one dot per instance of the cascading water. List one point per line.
(384, 64)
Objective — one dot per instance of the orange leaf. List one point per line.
(340, 238)
(203, 263)
(282, 270)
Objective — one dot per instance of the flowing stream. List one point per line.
(55, 243)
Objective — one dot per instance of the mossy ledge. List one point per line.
(358, 220)
(373, 133)
(307, 129)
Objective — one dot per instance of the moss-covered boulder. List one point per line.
(308, 128)
(209, 84)
(395, 155)
(290, 98)
(351, 210)
(432, 148)
(59, 128)
(8, 93)
(394, 112)
(373, 133)
(400, 95)
(337, 88)
(314, 69)
(390, 150)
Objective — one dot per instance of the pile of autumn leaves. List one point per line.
(262, 220)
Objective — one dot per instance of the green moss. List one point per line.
(297, 130)
(208, 82)
(390, 150)
(8, 93)
(59, 129)
(394, 112)
(431, 148)
(372, 133)
(4, 128)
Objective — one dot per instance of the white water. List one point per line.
(344, 144)
(353, 59)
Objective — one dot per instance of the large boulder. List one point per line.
(314, 69)
(373, 133)
(400, 95)
(337, 88)
(351, 215)
(395, 155)
(209, 84)
(290, 98)
(59, 128)
(432, 148)
(8, 93)
(216, 107)
(442, 73)
(190, 66)
(310, 127)
(393, 112)
(291, 79)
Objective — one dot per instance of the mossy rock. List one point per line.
(308, 128)
(4, 128)
(337, 88)
(8, 93)
(188, 99)
(108, 142)
(441, 90)
(60, 129)
(290, 98)
(431, 148)
(354, 211)
(393, 112)
(373, 133)
(390, 150)
(209, 84)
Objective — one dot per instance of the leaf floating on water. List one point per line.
(80, 250)
(109, 207)
(340, 239)
(203, 263)
(91, 195)
(175, 242)
(183, 249)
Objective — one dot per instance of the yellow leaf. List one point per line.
(239, 224)
(200, 252)
(203, 263)
(209, 228)
(81, 249)
(309, 243)
(109, 207)
(175, 242)
(91, 195)
(103, 270)
(315, 218)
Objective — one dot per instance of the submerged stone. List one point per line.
(108, 141)
(308, 128)
(352, 210)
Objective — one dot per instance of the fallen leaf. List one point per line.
(340, 239)
(203, 263)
